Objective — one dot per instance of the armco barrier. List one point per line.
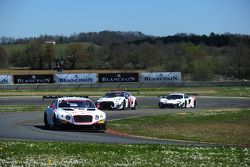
(126, 85)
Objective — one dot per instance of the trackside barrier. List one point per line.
(6, 79)
(89, 78)
(127, 85)
(169, 77)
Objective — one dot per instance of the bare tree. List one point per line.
(35, 51)
(49, 55)
(74, 55)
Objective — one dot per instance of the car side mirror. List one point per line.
(52, 106)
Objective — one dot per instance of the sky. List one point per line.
(31, 18)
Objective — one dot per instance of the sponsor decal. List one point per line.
(6, 79)
(26, 79)
(75, 78)
(130, 101)
(118, 77)
(161, 77)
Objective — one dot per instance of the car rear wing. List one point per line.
(190, 94)
(59, 96)
(132, 91)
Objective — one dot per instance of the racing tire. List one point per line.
(184, 105)
(123, 105)
(45, 120)
(55, 122)
(161, 105)
(101, 128)
(135, 106)
(194, 103)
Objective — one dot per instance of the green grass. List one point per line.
(242, 91)
(10, 48)
(31, 108)
(225, 126)
(21, 108)
(233, 91)
(20, 153)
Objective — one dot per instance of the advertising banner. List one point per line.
(118, 77)
(76, 78)
(32, 79)
(161, 77)
(6, 79)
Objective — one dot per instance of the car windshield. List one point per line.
(76, 104)
(173, 97)
(114, 94)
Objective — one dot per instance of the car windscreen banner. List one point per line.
(6, 79)
(76, 78)
(163, 77)
(118, 77)
(32, 79)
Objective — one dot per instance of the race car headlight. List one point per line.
(68, 117)
(96, 117)
(162, 100)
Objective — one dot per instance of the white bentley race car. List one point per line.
(76, 112)
(178, 100)
(119, 100)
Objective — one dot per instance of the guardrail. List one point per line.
(127, 85)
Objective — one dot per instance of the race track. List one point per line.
(29, 125)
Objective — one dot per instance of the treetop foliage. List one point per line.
(202, 57)
(104, 37)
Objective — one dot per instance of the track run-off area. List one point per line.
(29, 125)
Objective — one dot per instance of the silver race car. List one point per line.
(76, 112)
(179, 100)
(119, 100)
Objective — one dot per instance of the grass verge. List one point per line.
(32, 108)
(242, 91)
(21, 108)
(19, 153)
(221, 126)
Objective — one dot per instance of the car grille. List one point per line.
(83, 118)
(106, 105)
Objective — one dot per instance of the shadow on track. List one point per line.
(71, 129)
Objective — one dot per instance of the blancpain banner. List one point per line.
(6, 79)
(76, 78)
(161, 77)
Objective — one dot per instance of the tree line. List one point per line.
(197, 57)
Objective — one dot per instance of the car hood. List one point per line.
(81, 111)
(171, 100)
(110, 99)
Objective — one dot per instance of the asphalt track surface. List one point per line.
(29, 125)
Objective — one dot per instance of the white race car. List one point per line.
(74, 111)
(179, 100)
(117, 100)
